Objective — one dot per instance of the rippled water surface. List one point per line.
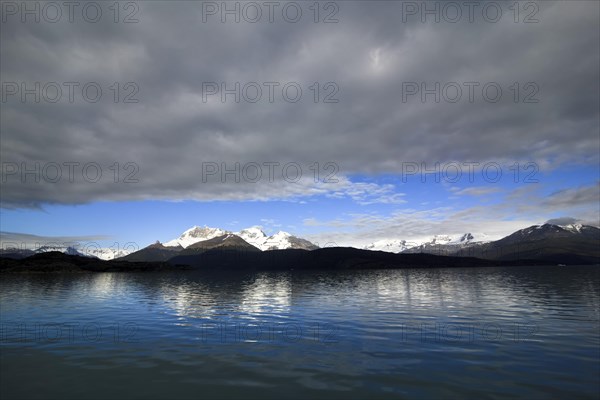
(434, 333)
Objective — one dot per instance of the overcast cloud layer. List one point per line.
(368, 54)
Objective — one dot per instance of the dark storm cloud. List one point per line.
(368, 54)
(579, 196)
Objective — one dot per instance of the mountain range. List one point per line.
(92, 251)
(253, 235)
(199, 239)
(163, 251)
(572, 244)
(447, 241)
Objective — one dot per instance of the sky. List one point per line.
(343, 122)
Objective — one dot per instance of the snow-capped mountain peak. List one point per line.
(390, 246)
(107, 253)
(572, 227)
(546, 230)
(281, 240)
(195, 234)
(254, 232)
(284, 240)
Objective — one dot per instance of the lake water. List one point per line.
(433, 333)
